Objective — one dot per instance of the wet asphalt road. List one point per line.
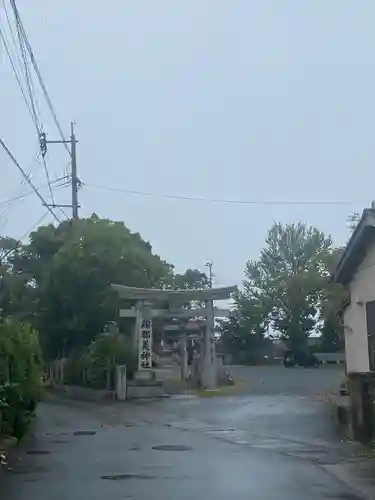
(258, 445)
(295, 381)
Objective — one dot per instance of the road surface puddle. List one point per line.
(122, 477)
(38, 452)
(171, 447)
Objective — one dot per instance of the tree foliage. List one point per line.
(60, 280)
(243, 334)
(20, 375)
(191, 279)
(288, 280)
(68, 270)
(94, 365)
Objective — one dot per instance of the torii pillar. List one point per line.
(209, 376)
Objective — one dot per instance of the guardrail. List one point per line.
(331, 358)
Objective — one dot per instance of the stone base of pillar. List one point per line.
(209, 376)
(144, 375)
(146, 389)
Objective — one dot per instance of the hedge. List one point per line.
(20, 376)
(94, 365)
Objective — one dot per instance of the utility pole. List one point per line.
(73, 143)
(2, 272)
(209, 266)
(75, 181)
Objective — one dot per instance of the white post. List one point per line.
(121, 382)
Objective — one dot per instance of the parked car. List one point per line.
(305, 359)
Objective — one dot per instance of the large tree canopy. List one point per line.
(288, 279)
(191, 279)
(69, 269)
(243, 335)
(60, 280)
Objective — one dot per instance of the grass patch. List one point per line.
(228, 390)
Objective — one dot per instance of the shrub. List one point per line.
(20, 376)
(94, 365)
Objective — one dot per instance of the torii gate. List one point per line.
(143, 314)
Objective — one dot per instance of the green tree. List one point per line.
(353, 220)
(243, 334)
(191, 279)
(71, 267)
(332, 297)
(6, 245)
(288, 280)
(17, 298)
(20, 375)
(94, 365)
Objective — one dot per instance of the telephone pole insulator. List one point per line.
(43, 143)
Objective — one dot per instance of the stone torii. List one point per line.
(143, 313)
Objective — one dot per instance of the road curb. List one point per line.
(362, 488)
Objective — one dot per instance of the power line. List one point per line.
(16, 245)
(23, 43)
(15, 198)
(5, 43)
(38, 74)
(20, 196)
(23, 68)
(30, 183)
(4, 217)
(25, 48)
(29, 83)
(226, 200)
(26, 56)
(32, 104)
(48, 179)
(36, 224)
(13, 36)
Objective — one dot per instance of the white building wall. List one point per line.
(356, 347)
(362, 290)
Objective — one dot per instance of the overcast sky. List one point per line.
(233, 99)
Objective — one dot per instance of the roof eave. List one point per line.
(127, 292)
(344, 270)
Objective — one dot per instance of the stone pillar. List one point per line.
(145, 344)
(209, 378)
(121, 382)
(137, 325)
(184, 357)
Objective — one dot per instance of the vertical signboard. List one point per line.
(145, 344)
